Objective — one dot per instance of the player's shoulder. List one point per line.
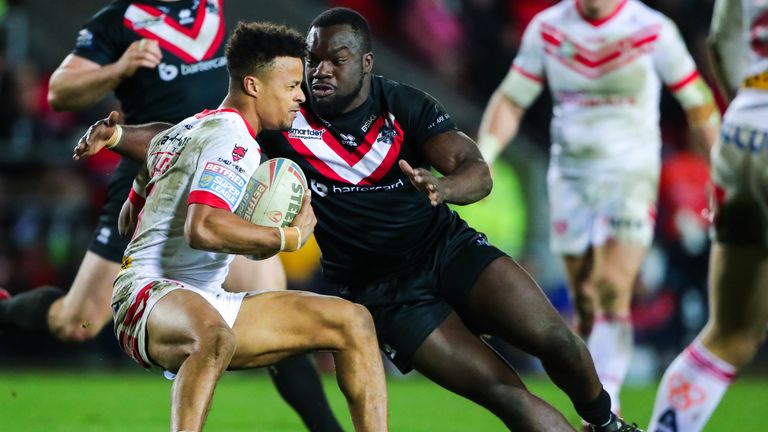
(558, 13)
(395, 91)
(115, 9)
(640, 11)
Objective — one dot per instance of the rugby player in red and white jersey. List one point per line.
(433, 284)
(697, 379)
(170, 309)
(604, 62)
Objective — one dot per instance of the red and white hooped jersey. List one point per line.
(205, 159)
(605, 77)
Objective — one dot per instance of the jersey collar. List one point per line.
(600, 21)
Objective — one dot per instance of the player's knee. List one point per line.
(357, 324)
(216, 344)
(559, 341)
(610, 288)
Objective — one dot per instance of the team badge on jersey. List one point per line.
(238, 152)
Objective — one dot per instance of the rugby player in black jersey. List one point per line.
(432, 283)
(165, 61)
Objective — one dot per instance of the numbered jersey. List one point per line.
(605, 77)
(205, 159)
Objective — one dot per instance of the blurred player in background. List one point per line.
(603, 61)
(697, 379)
(165, 61)
(432, 283)
(169, 306)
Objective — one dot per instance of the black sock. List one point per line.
(299, 384)
(28, 311)
(596, 412)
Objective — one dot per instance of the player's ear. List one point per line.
(367, 62)
(251, 85)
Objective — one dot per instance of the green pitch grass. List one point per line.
(66, 402)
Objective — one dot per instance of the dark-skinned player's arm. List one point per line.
(466, 177)
(128, 141)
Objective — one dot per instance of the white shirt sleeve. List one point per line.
(223, 169)
(525, 79)
(672, 60)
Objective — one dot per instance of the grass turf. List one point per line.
(84, 402)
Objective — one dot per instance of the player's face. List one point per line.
(336, 69)
(281, 93)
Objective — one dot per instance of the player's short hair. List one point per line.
(253, 47)
(346, 16)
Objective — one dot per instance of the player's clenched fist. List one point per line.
(141, 53)
(305, 220)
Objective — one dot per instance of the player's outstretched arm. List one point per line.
(466, 175)
(78, 82)
(500, 123)
(128, 141)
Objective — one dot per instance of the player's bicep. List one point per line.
(449, 150)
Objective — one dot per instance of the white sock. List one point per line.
(611, 345)
(690, 390)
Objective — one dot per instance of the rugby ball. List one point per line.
(274, 194)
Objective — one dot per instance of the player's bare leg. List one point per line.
(275, 325)
(457, 359)
(738, 303)
(296, 378)
(84, 311)
(506, 302)
(736, 328)
(601, 284)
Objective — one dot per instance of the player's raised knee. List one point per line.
(357, 323)
(216, 343)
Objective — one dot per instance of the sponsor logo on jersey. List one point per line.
(84, 39)
(222, 181)
(169, 72)
(348, 140)
(744, 138)
(306, 133)
(238, 152)
(373, 188)
(318, 187)
(231, 164)
(368, 123)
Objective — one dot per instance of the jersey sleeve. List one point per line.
(223, 170)
(138, 193)
(426, 117)
(525, 79)
(101, 39)
(672, 60)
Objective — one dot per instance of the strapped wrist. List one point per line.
(291, 239)
(490, 147)
(114, 140)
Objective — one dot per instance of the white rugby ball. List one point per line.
(274, 194)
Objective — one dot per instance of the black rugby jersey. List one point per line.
(192, 74)
(372, 222)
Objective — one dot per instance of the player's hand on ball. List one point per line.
(142, 53)
(424, 181)
(305, 220)
(96, 137)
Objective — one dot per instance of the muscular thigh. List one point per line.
(251, 275)
(276, 324)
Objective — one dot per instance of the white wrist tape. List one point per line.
(490, 147)
(116, 137)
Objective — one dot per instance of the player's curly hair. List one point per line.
(346, 16)
(253, 47)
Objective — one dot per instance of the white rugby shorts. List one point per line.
(133, 300)
(739, 201)
(589, 209)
